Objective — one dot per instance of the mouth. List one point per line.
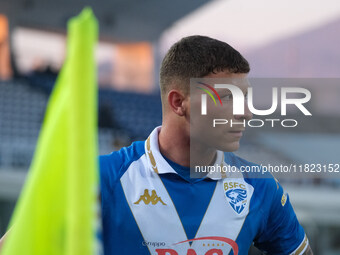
(236, 133)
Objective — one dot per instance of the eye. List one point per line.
(227, 97)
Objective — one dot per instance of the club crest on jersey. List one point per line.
(236, 194)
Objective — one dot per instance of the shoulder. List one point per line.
(279, 231)
(113, 166)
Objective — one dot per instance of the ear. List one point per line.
(177, 102)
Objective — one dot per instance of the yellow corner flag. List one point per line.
(56, 212)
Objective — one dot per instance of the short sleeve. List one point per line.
(281, 232)
(112, 167)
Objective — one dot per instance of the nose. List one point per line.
(247, 113)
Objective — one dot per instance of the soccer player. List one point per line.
(151, 205)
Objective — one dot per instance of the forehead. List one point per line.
(238, 79)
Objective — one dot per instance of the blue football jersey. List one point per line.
(148, 208)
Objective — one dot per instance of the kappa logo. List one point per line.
(236, 194)
(147, 198)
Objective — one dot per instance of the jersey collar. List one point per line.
(158, 164)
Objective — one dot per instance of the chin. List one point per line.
(231, 147)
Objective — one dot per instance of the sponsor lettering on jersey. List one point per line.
(284, 199)
(213, 251)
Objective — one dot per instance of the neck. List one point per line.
(174, 143)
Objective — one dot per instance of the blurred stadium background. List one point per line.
(286, 39)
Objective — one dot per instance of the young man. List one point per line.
(150, 205)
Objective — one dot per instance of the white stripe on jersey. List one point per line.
(156, 222)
